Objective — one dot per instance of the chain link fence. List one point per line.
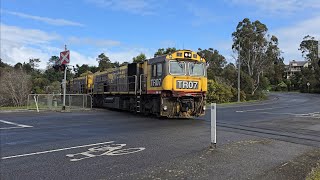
(55, 101)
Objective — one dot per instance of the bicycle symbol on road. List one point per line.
(104, 150)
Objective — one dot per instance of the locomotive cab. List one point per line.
(179, 80)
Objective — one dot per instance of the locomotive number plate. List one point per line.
(187, 84)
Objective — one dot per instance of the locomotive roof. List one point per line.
(157, 59)
(110, 70)
(177, 55)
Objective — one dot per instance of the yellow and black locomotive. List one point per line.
(172, 85)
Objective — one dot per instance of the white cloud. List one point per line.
(94, 42)
(142, 7)
(51, 21)
(20, 45)
(26, 36)
(78, 58)
(127, 54)
(290, 37)
(13, 52)
(280, 6)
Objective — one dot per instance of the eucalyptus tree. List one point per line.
(309, 48)
(256, 49)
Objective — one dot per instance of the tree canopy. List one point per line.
(104, 62)
(140, 58)
(163, 51)
(216, 61)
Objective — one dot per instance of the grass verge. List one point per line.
(314, 174)
(13, 107)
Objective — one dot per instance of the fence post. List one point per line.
(28, 101)
(83, 101)
(213, 118)
(91, 101)
(86, 101)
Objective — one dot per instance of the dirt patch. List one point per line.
(306, 165)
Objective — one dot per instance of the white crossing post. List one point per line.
(36, 101)
(64, 84)
(213, 115)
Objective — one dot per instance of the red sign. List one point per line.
(65, 57)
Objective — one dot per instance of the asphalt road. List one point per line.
(255, 141)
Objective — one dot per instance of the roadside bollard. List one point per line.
(213, 117)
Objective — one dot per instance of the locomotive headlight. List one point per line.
(204, 108)
(165, 108)
(188, 55)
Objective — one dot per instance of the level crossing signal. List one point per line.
(65, 57)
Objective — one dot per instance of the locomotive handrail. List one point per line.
(140, 84)
(141, 75)
(135, 84)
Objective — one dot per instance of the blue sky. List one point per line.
(124, 28)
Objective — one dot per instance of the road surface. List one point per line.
(259, 140)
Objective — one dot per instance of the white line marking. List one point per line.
(11, 128)
(12, 123)
(250, 110)
(293, 114)
(54, 150)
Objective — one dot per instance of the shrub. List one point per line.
(219, 92)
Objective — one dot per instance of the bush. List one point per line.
(15, 87)
(282, 86)
(219, 92)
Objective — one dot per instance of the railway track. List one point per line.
(278, 134)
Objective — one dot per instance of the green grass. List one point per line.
(4, 108)
(13, 107)
(231, 103)
(314, 174)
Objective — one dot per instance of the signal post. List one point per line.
(64, 61)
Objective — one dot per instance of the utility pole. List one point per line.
(239, 66)
(319, 50)
(64, 83)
